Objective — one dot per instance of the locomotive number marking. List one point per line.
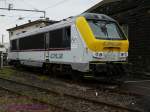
(56, 56)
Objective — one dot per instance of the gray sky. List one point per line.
(55, 9)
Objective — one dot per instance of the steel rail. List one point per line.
(30, 97)
(72, 96)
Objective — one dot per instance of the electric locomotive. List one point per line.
(88, 43)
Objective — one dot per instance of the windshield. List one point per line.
(106, 30)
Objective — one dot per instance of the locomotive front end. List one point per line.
(104, 39)
(113, 45)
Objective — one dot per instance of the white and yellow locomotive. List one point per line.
(86, 43)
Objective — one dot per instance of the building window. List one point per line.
(11, 33)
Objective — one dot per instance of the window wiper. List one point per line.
(104, 30)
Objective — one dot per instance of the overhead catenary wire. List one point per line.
(52, 6)
(20, 9)
(49, 7)
(56, 4)
(18, 16)
(30, 5)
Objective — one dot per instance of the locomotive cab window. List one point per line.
(107, 30)
(60, 38)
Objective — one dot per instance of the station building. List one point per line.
(134, 17)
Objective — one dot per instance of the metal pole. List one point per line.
(2, 39)
(10, 9)
(1, 60)
(44, 14)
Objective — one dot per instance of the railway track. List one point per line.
(18, 88)
(65, 101)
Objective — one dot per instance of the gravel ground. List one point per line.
(13, 103)
(63, 87)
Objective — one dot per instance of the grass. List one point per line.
(7, 72)
(43, 78)
(8, 102)
(10, 99)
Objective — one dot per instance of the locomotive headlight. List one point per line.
(98, 55)
(124, 54)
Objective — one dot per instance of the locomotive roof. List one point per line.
(97, 16)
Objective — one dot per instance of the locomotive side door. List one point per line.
(47, 47)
